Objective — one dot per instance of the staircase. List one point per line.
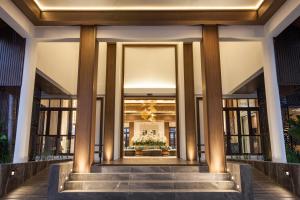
(150, 182)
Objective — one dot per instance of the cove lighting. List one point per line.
(113, 7)
(149, 85)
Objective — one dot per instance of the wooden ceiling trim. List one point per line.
(30, 9)
(147, 17)
(268, 9)
(228, 17)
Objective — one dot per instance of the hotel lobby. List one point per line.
(143, 99)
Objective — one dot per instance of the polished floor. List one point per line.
(264, 188)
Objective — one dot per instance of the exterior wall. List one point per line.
(59, 57)
(12, 51)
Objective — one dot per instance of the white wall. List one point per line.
(197, 68)
(59, 61)
(149, 70)
(239, 61)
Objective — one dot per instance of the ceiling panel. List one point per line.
(50, 5)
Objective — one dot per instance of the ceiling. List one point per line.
(148, 12)
(54, 5)
(150, 110)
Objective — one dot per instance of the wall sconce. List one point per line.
(12, 173)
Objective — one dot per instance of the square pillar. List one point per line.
(212, 99)
(189, 98)
(273, 103)
(110, 97)
(21, 153)
(86, 100)
(167, 133)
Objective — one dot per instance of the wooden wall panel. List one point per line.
(86, 97)
(109, 118)
(131, 133)
(12, 51)
(189, 93)
(212, 99)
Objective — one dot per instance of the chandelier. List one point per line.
(149, 112)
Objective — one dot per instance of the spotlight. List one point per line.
(232, 177)
(287, 173)
(237, 187)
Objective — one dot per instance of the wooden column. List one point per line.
(212, 99)
(167, 133)
(131, 133)
(189, 95)
(86, 99)
(109, 118)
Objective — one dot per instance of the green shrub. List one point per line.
(4, 153)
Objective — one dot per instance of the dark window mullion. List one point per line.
(239, 132)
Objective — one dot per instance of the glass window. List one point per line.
(231, 103)
(54, 103)
(243, 102)
(126, 136)
(64, 123)
(233, 123)
(72, 145)
(45, 103)
(245, 145)
(63, 145)
(74, 103)
(66, 103)
(253, 103)
(53, 123)
(234, 144)
(172, 141)
(42, 123)
(244, 122)
(224, 121)
(256, 143)
(73, 122)
(255, 123)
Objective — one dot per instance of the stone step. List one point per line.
(118, 186)
(148, 176)
(162, 194)
(154, 169)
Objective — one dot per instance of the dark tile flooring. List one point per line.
(264, 188)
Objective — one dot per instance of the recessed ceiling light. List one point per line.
(60, 7)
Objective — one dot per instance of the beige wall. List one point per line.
(239, 61)
(149, 70)
(59, 61)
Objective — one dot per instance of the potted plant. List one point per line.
(164, 150)
(139, 150)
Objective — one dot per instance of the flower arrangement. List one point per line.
(149, 139)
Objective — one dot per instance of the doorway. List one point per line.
(149, 127)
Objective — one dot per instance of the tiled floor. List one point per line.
(264, 188)
(34, 189)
